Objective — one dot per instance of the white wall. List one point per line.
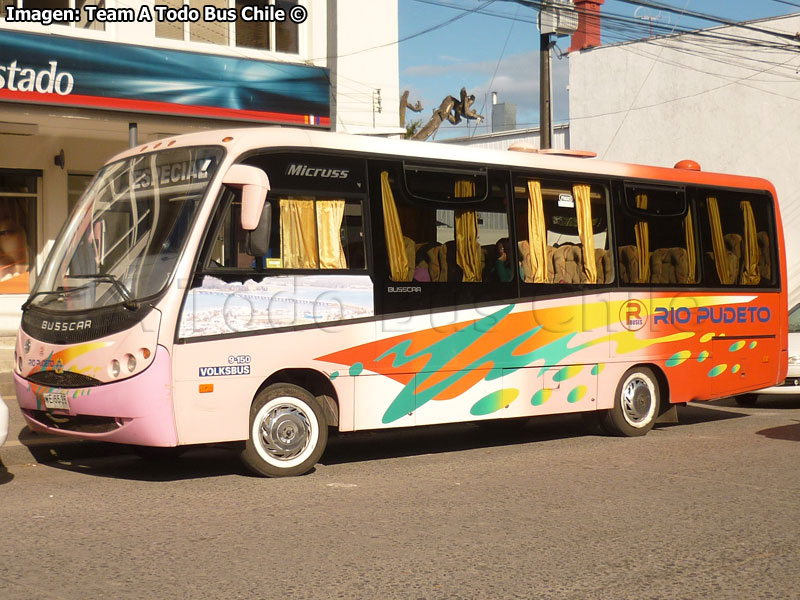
(367, 60)
(505, 139)
(733, 109)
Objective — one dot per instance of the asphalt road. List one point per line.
(705, 509)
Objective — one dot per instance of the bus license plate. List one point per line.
(56, 401)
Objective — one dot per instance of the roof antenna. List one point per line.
(642, 14)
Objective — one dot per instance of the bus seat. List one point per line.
(411, 255)
(628, 264)
(568, 264)
(525, 261)
(489, 257)
(669, 265)
(764, 256)
(733, 248)
(454, 272)
(437, 262)
(602, 260)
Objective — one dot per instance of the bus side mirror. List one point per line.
(254, 184)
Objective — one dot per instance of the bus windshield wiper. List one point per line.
(127, 298)
(60, 291)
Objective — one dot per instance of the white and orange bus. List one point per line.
(265, 285)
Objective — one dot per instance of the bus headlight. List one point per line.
(131, 363)
(114, 370)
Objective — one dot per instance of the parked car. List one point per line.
(790, 385)
(3, 422)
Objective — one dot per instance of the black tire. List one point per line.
(636, 404)
(288, 432)
(746, 399)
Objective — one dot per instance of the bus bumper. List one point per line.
(133, 411)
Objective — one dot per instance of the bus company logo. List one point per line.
(633, 315)
(298, 170)
(66, 325)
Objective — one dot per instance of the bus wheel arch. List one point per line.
(639, 399)
(316, 383)
(287, 431)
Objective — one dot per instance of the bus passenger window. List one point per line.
(443, 227)
(562, 232)
(307, 233)
(737, 236)
(656, 237)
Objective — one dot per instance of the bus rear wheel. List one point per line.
(288, 432)
(636, 404)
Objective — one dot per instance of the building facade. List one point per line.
(726, 97)
(80, 80)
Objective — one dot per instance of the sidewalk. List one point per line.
(23, 445)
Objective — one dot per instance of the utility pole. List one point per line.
(556, 17)
(545, 94)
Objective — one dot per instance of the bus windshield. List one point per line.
(123, 241)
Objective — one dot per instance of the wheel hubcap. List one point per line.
(285, 432)
(637, 402)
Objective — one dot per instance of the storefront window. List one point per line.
(252, 28)
(286, 39)
(209, 31)
(251, 34)
(18, 198)
(170, 30)
(84, 23)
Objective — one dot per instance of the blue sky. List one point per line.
(496, 49)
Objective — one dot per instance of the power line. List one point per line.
(627, 28)
(707, 17)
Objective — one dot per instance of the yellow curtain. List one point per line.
(329, 224)
(688, 230)
(298, 234)
(750, 273)
(537, 235)
(468, 250)
(583, 207)
(642, 230)
(398, 262)
(718, 241)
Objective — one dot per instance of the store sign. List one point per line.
(46, 69)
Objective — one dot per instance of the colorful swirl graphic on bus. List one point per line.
(439, 364)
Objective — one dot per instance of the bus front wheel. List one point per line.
(288, 432)
(636, 404)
